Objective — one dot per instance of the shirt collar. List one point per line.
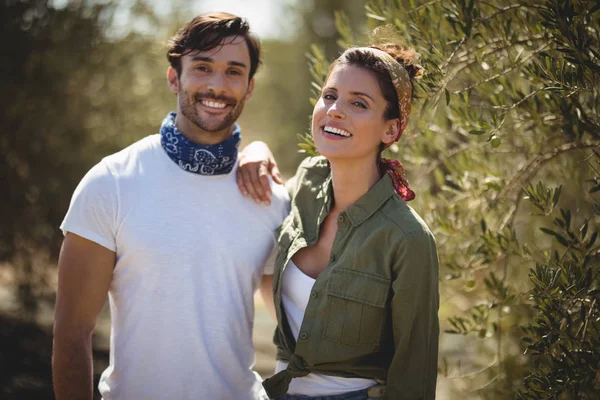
(368, 204)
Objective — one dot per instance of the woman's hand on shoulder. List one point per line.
(256, 164)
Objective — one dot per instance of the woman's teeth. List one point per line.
(213, 104)
(337, 131)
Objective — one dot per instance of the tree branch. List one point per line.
(526, 172)
(468, 62)
(413, 10)
(500, 11)
(451, 57)
(504, 72)
(457, 150)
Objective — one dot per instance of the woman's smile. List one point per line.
(335, 133)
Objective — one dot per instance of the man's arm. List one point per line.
(84, 275)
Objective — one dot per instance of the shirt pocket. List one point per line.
(355, 311)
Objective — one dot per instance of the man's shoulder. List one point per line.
(131, 155)
(280, 202)
(280, 194)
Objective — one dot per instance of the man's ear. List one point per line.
(250, 90)
(173, 80)
(392, 132)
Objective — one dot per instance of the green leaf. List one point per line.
(595, 189)
(558, 236)
(375, 16)
(562, 241)
(584, 229)
(447, 96)
(477, 132)
(567, 216)
(556, 195)
(592, 240)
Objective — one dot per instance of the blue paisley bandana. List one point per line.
(217, 159)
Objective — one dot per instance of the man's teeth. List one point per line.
(213, 104)
(337, 131)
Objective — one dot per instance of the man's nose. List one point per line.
(217, 83)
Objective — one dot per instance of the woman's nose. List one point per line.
(335, 111)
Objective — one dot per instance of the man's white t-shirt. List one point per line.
(190, 253)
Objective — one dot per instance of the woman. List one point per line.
(356, 275)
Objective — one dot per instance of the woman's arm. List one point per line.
(415, 301)
(255, 166)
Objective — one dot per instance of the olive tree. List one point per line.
(503, 151)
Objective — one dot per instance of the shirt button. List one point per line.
(341, 219)
(303, 335)
(314, 295)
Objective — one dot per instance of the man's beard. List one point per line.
(188, 106)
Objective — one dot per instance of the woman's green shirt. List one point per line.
(372, 312)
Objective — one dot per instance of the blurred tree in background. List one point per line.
(69, 96)
(509, 112)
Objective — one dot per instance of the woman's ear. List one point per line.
(392, 132)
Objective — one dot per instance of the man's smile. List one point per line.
(213, 104)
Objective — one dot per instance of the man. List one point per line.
(163, 229)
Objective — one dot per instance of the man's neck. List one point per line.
(199, 136)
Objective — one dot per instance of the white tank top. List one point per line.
(295, 294)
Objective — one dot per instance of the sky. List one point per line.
(267, 18)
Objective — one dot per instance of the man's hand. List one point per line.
(84, 275)
(255, 166)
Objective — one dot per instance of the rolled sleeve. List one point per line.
(93, 210)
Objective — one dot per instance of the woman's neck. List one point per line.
(351, 179)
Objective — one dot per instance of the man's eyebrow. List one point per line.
(237, 64)
(202, 58)
(210, 60)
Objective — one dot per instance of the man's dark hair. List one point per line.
(207, 31)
